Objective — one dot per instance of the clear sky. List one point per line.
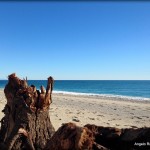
(75, 40)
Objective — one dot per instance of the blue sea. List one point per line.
(130, 89)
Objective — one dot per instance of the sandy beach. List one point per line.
(96, 110)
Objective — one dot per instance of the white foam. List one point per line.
(104, 95)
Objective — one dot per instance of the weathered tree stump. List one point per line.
(26, 124)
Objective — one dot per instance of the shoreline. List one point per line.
(106, 96)
(101, 111)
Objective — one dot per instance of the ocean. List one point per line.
(129, 89)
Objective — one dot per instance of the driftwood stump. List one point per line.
(71, 137)
(26, 124)
(92, 137)
(121, 139)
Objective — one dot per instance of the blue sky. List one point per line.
(75, 40)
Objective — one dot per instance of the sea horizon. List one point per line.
(122, 89)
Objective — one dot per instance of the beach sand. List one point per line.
(101, 111)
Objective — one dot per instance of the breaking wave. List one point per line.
(123, 97)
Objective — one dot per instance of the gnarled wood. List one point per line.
(26, 124)
(121, 139)
(71, 137)
(92, 137)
